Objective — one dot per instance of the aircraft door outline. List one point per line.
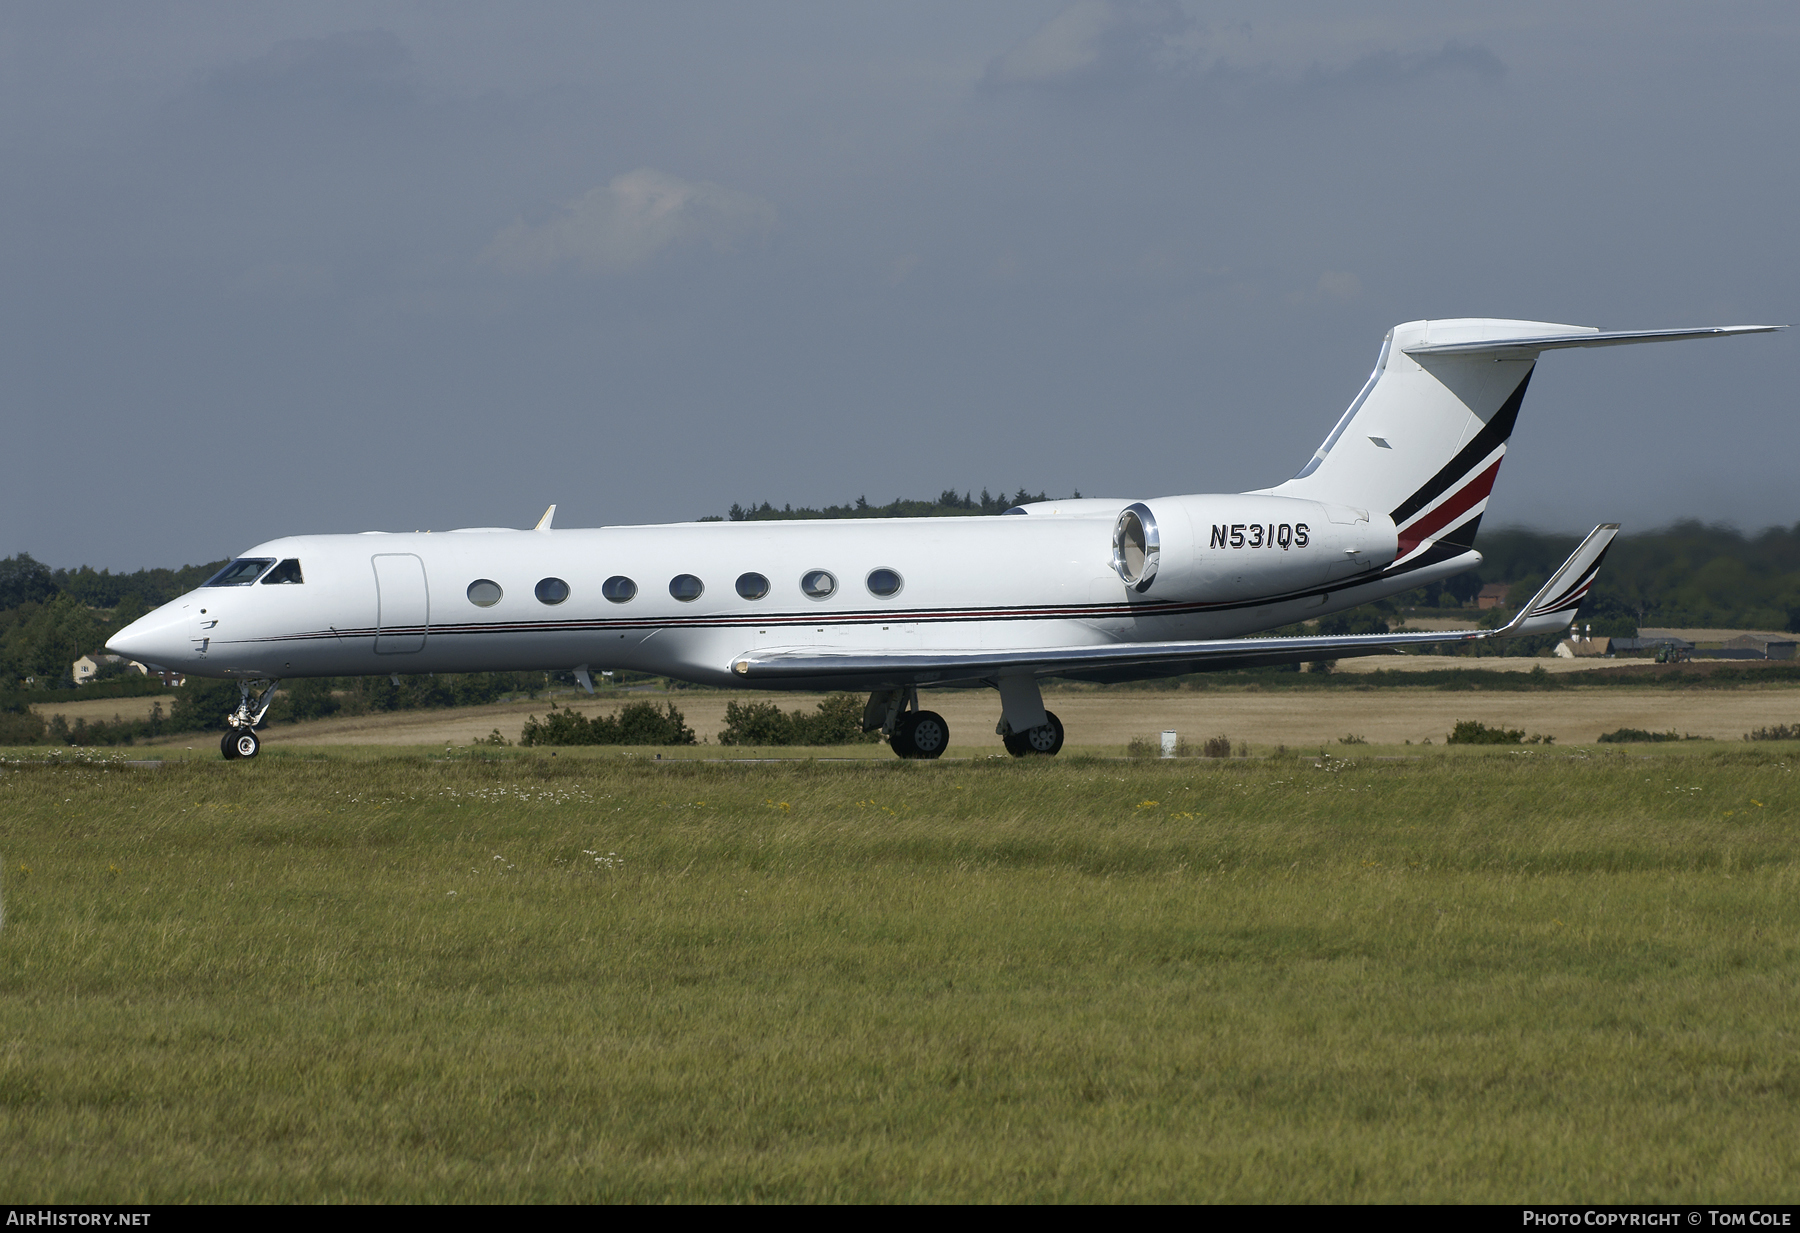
(402, 603)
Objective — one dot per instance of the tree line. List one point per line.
(947, 505)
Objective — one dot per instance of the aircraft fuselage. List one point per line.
(501, 600)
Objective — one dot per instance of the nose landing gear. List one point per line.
(240, 741)
(242, 744)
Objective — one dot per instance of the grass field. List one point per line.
(1488, 976)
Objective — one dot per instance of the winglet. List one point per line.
(1553, 607)
(544, 522)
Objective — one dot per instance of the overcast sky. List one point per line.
(298, 267)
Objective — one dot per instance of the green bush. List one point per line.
(637, 723)
(1473, 732)
(1628, 736)
(1780, 732)
(836, 721)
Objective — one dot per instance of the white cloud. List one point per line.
(629, 220)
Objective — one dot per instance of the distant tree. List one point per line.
(42, 641)
(1463, 587)
(1356, 621)
(203, 705)
(24, 581)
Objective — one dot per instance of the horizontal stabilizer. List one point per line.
(1520, 347)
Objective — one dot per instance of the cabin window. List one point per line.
(818, 584)
(752, 586)
(241, 572)
(552, 591)
(485, 592)
(686, 588)
(285, 574)
(884, 582)
(619, 589)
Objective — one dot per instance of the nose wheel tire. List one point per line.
(240, 744)
(920, 734)
(1046, 738)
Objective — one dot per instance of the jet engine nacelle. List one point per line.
(1240, 547)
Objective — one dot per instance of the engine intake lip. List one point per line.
(1136, 546)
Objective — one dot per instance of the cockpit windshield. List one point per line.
(241, 572)
(287, 572)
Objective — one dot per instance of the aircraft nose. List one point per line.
(159, 638)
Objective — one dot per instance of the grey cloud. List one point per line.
(355, 69)
(1393, 68)
(629, 220)
(1112, 44)
(1098, 43)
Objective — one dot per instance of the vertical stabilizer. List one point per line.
(1423, 441)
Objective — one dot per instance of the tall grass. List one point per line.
(1517, 977)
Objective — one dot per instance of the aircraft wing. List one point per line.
(1551, 609)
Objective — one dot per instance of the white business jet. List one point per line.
(1098, 590)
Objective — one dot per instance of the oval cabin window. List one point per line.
(686, 588)
(618, 588)
(484, 592)
(884, 582)
(752, 586)
(818, 584)
(552, 591)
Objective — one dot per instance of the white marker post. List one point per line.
(1168, 745)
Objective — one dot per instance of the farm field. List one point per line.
(1492, 976)
(1103, 721)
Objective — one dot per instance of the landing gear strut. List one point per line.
(240, 740)
(1025, 727)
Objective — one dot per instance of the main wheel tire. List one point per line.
(1046, 738)
(228, 744)
(245, 743)
(920, 734)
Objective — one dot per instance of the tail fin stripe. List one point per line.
(1492, 435)
(1460, 502)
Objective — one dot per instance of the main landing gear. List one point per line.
(240, 739)
(911, 733)
(920, 734)
(1025, 727)
(1046, 738)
